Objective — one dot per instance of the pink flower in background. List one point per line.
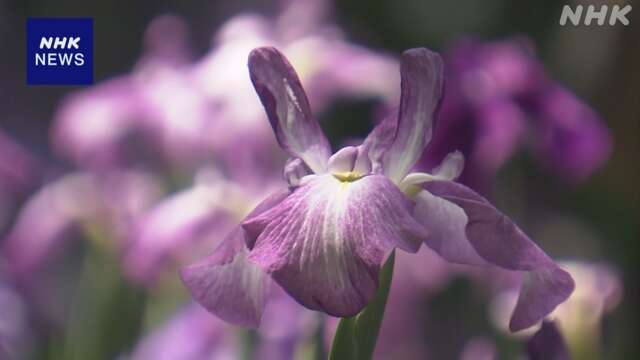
(108, 204)
(189, 113)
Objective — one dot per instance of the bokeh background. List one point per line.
(594, 221)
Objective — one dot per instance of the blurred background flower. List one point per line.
(106, 190)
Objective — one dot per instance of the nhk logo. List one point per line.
(57, 58)
(615, 14)
(59, 51)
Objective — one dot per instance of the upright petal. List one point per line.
(422, 84)
(288, 108)
(325, 242)
(226, 283)
(379, 141)
(496, 240)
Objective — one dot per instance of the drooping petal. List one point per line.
(226, 283)
(498, 241)
(325, 242)
(422, 84)
(446, 222)
(288, 108)
(379, 141)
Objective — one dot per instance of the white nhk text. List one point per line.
(45, 58)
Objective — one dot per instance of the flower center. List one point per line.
(348, 176)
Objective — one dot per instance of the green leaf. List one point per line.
(356, 337)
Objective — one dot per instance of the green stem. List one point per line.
(356, 337)
(107, 312)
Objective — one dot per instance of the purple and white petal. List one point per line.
(498, 241)
(226, 283)
(350, 159)
(449, 170)
(422, 86)
(294, 170)
(325, 242)
(446, 223)
(379, 141)
(288, 108)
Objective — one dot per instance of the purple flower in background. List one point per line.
(190, 113)
(14, 329)
(18, 172)
(191, 334)
(43, 225)
(178, 225)
(18, 169)
(498, 96)
(324, 238)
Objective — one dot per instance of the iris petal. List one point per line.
(288, 109)
(324, 244)
(422, 82)
(226, 283)
(496, 240)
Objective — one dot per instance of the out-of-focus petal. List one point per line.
(288, 108)
(46, 217)
(500, 242)
(91, 126)
(547, 344)
(422, 86)
(324, 243)
(18, 168)
(177, 223)
(191, 334)
(572, 138)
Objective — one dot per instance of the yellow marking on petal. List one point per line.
(412, 190)
(349, 176)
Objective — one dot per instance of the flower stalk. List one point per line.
(356, 336)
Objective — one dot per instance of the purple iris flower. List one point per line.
(324, 238)
(499, 97)
(45, 223)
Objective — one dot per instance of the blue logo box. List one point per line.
(59, 51)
